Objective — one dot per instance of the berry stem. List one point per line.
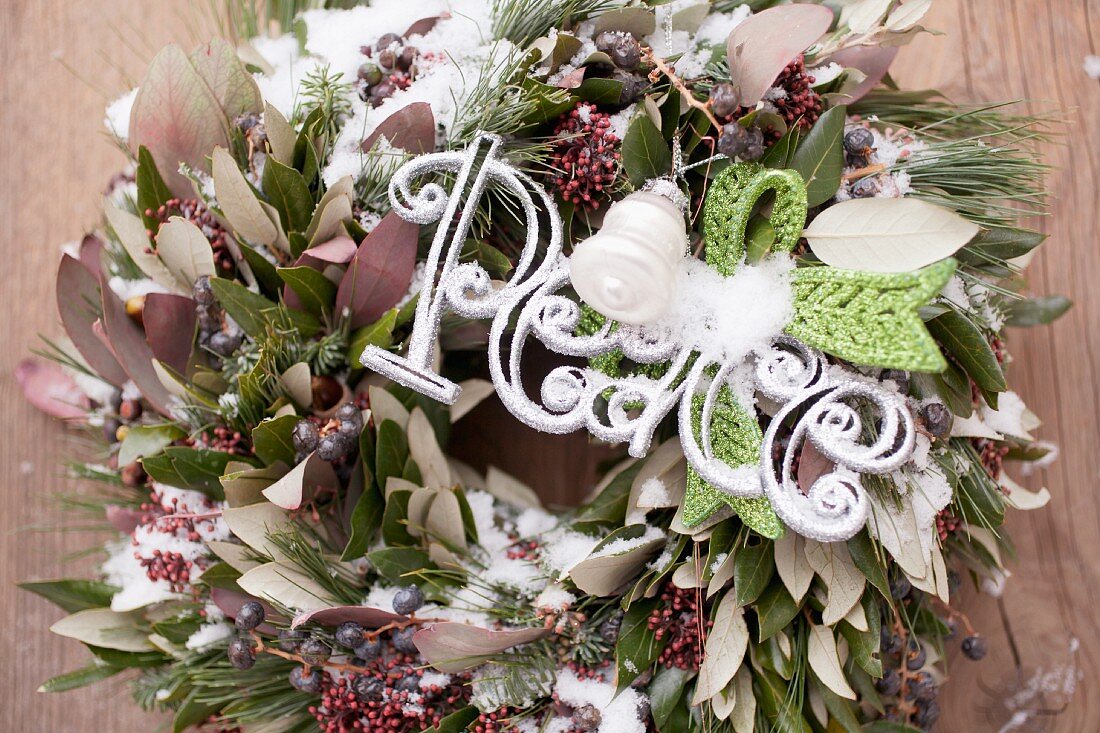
(662, 68)
(865, 171)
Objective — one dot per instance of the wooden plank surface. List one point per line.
(55, 162)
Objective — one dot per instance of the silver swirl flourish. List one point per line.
(629, 408)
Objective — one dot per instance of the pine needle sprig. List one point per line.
(523, 22)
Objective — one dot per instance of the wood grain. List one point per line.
(55, 162)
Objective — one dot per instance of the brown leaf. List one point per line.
(365, 616)
(765, 43)
(424, 25)
(302, 481)
(51, 390)
(380, 272)
(177, 117)
(170, 328)
(812, 465)
(874, 61)
(411, 128)
(123, 519)
(453, 647)
(336, 251)
(78, 303)
(129, 346)
(90, 253)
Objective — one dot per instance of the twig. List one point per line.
(663, 68)
(866, 171)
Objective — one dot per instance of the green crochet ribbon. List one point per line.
(865, 318)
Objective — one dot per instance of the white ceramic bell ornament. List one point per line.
(627, 270)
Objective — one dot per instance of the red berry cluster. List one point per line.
(387, 696)
(586, 155)
(498, 721)
(228, 441)
(168, 566)
(800, 103)
(992, 456)
(678, 618)
(524, 550)
(946, 523)
(194, 211)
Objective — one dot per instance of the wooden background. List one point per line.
(61, 59)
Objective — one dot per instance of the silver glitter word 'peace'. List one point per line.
(813, 404)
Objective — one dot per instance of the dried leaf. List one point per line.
(239, 203)
(78, 303)
(170, 328)
(135, 240)
(380, 272)
(297, 383)
(51, 390)
(834, 564)
(184, 250)
(411, 128)
(907, 15)
(726, 644)
(252, 524)
(759, 48)
(365, 616)
(887, 235)
(384, 406)
(454, 647)
(602, 574)
(509, 489)
(474, 391)
(302, 481)
(444, 520)
(864, 15)
(790, 561)
(825, 662)
(743, 717)
(285, 587)
(177, 117)
(425, 450)
(328, 220)
(280, 135)
(104, 628)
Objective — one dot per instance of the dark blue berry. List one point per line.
(349, 634)
(314, 651)
(240, 653)
(369, 649)
(311, 682)
(290, 640)
(916, 657)
(403, 640)
(889, 684)
(858, 141)
(250, 616)
(368, 688)
(408, 600)
(975, 647)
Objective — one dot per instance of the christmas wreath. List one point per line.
(774, 282)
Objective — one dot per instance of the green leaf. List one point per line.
(253, 312)
(366, 519)
(1037, 311)
(869, 318)
(289, 193)
(73, 595)
(819, 158)
(774, 610)
(782, 153)
(610, 506)
(637, 648)
(316, 291)
(191, 713)
(842, 712)
(886, 726)
(391, 453)
(966, 342)
(600, 91)
(146, 440)
(266, 275)
(759, 238)
(778, 705)
(395, 517)
(190, 468)
(379, 333)
(665, 693)
(79, 678)
(393, 563)
(869, 562)
(753, 567)
(221, 575)
(272, 440)
(999, 245)
(645, 153)
(152, 191)
(457, 721)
